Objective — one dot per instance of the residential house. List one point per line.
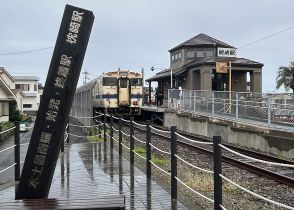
(6, 95)
(29, 86)
(24, 89)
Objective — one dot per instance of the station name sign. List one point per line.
(61, 82)
(226, 52)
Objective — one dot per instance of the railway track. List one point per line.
(253, 168)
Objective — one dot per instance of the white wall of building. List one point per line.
(30, 88)
(7, 78)
(4, 111)
(2, 94)
(4, 119)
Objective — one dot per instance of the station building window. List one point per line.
(190, 54)
(209, 53)
(173, 57)
(176, 56)
(199, 53)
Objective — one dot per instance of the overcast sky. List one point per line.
(136, 34)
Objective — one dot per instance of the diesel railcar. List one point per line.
(119, 92)
(116, 92)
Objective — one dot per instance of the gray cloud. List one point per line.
(139, 33)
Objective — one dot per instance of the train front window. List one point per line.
(109, 81)
(136, 81)
(123, 83)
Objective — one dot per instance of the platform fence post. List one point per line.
(237, 106)
(194, 99)
(104, 127)
(269, 110)
(62, 143)
(148, 149)
(217, 168)
(67, 131)
(174, 170)
(120, 135)
(99, 127)
(213, 104)
(190, 100)
(111, 131)
(17, 151)
(132, 146)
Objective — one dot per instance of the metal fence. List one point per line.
(265, 109)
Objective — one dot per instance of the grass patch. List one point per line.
(140, 151)
(95, 139)
(202, 181)
(158, 161)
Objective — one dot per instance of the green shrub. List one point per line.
(6, 125)
(14, 114)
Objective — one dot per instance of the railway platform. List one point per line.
(94, 170)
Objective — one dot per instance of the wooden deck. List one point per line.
(89, 203)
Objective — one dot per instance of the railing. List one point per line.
(16, 146)
(269, 110)
(217, 199)
(102, 123)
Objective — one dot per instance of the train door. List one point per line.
(123, 93)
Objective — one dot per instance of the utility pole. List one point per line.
(86, 76)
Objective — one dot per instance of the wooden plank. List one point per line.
(105, 202)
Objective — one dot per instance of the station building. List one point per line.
(193, 67)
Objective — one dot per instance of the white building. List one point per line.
(6, 95)
(25, 90)
(29, 86)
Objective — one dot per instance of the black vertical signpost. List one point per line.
(61, 82)
(217, 168)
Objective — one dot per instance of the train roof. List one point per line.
(92, 83)
(122, 70)
(87, 86)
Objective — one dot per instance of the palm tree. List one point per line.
(286, 77)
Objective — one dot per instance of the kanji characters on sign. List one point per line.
(74, 27)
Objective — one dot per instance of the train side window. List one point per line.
(109, 81)
(136, 81)
(123, 83)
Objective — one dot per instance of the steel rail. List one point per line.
(239, 164)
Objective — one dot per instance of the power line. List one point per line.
(26, 51)
(242, 46)
(266, 37)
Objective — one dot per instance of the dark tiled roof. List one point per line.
(243, 62)
(202, 39)
(235, 61)
(159, 75)
(211, 60)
